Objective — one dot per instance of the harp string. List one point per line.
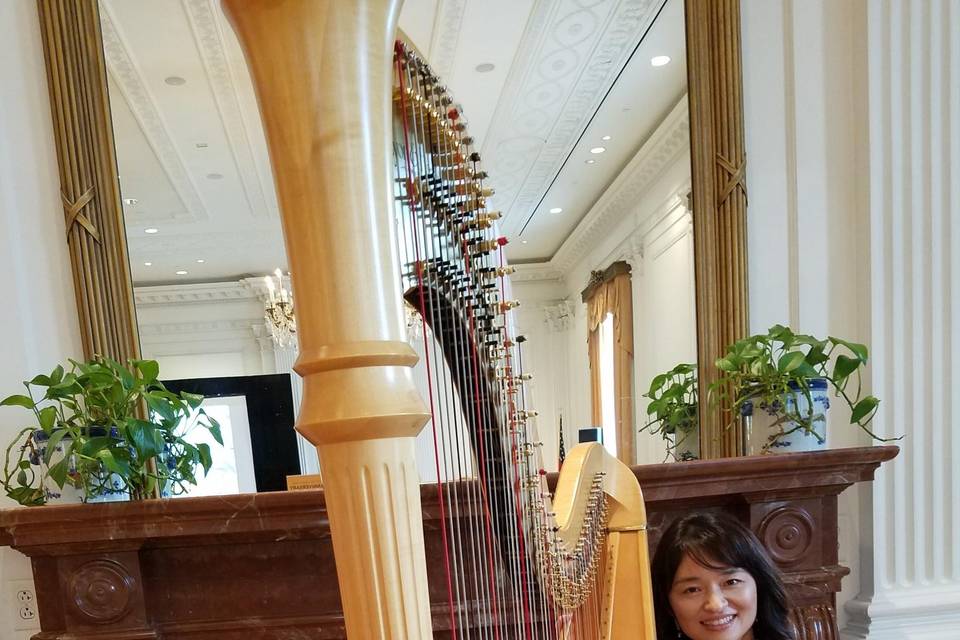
(506, 569)
(426, 351)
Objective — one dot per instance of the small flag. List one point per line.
(562, 453)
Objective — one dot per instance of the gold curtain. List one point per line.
(614, 296)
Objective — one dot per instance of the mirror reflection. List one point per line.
(581, 119)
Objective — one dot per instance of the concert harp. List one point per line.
(382, 200)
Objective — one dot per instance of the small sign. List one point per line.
(304, 482)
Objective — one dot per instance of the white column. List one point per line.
(646, 448)
(911, 566)
(808, 230)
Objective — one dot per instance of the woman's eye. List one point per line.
(690, 590)
(734, 581)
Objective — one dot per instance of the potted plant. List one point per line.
(672, 411)
(105, 429)
(779, 382)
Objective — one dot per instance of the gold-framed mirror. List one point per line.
(92, 201)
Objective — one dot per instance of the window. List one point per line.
(608, 402)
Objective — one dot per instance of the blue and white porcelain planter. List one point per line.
(112, 491)
(766, 433)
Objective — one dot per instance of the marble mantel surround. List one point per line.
(261, 565)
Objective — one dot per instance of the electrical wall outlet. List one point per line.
(22, 605)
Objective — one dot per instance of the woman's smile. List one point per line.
(713, 603)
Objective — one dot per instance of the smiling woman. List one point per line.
(712, 580)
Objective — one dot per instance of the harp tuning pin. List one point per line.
(480, 175)
(466, 141)
(474, 157)
(484, 246)
(505, 271)
(453, 113)
(507, 305)
(521, 338)
(486, 192)
(525, 376)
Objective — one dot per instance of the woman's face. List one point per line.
(713, 604)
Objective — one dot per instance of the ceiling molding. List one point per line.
(535, 272)
(569, 57)
(445, 37)
(208, 35)
(128, 79)
(203, 293)
(670, 140)
(217, 327)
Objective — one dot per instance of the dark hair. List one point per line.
(715, 540)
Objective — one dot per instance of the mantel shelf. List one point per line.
(267, 558)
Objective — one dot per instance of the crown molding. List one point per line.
(129, 81)
(535, 272)
(202, 293)
(205, 326)
(569, 56)
(671, 139)
(206, 26)
(446, 36)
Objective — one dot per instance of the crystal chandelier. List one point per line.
(278, 312)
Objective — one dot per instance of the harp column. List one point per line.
(322, 72)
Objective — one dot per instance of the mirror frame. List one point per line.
(76, 74)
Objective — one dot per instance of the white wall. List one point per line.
(204, 330)
(38, 321)
(852, 122)
(216, 329)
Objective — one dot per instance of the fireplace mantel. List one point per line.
(261, 565)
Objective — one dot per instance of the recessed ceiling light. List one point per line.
(181, 272)
(130, 200)
(174, 81)
(486, 67)
(148, 264)
(556, 210)
(202, 145)
(605, 138)
(200, 260)
(659, 61)
(523, 242)
(215, 176)
(598, 150)
(591, 161)
(151, 230)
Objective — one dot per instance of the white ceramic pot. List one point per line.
(765, 435)
(70, 494)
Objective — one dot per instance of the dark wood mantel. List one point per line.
(261, 566)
